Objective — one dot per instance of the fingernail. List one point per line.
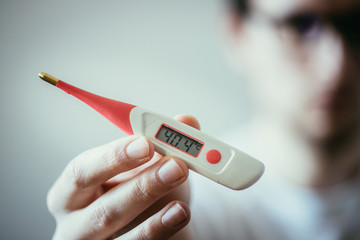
(170, 172)
(174, 216)
(137, 149)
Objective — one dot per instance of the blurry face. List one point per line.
(303, 57)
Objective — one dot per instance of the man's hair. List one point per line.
(239, 6)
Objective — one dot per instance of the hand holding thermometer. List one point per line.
(204, 154)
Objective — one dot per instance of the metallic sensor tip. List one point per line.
(48, 78)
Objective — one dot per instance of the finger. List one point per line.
(189, 120)
(118, 207)
(162, 225)
(80, 182)
(180, 193)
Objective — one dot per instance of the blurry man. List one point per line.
(302, 59)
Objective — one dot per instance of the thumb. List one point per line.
(189, 120)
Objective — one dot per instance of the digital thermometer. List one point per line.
(203, 154)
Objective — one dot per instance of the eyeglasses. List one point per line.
(308, 25)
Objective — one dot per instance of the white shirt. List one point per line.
(274, 209)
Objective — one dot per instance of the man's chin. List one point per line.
(331, 131)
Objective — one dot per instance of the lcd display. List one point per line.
(179, 140)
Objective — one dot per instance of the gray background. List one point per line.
(133, 51)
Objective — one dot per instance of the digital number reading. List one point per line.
(179, 140)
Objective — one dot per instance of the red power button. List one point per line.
(213, 156)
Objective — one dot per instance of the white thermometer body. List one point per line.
(204, 154)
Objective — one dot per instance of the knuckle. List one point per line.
(117, 158)
(117, 155)
(145, 234)
(103, 218)
(50, 201)
(144, 190)
(76, 176)
(151, 230)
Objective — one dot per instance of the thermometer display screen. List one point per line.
(179, 140)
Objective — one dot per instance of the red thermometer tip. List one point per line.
(115, 111)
